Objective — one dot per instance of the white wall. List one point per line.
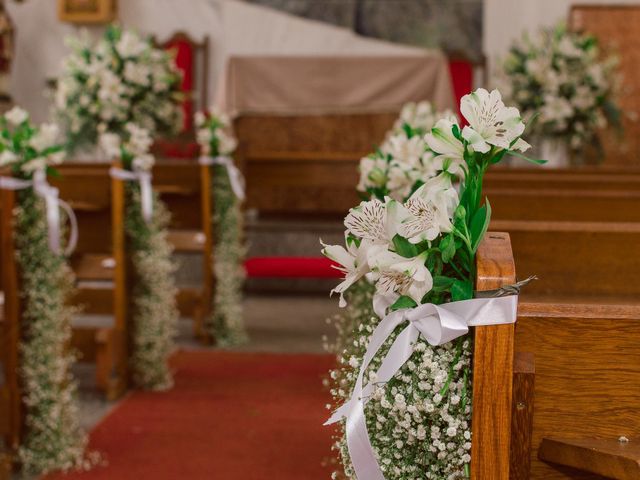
(233, 27)
(506, 20)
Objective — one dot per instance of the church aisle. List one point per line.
(230, 416)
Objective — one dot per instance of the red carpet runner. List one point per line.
(231, 416)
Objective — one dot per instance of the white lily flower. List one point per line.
(110, 144)
(490, 122)
(16, 116)
(7, 157)
(397, 274)
(404, 150)
(353, 262)
(368, 221)
(442, 140)
(45, 137)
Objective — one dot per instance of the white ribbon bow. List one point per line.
(53, 205)
(235, 175)
(438, 324)
(146, 193)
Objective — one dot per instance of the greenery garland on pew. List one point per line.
(53, 439)
(419, 421)
(226, 324)
(155, 312)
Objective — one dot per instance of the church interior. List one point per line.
(319, 239)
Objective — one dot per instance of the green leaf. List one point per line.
(404, 247)
(480, 224)
(403, 302)
(442, 283)
(448, 248)
(461, 290)
(524, 157)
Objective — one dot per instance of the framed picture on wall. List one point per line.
(87, 11)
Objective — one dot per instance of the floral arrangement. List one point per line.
(119, 80)
(560, 74)
(226, 324)
(404, 161)
(154, 296)
(53, 438)
(416, 252)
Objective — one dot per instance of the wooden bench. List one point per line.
(577, 261)
(586, 395)
(185, 187)
(564, 204)
(100, 334)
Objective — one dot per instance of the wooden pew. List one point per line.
(185, 187)
(577, 262)
(305, 164)
(587, 373)
(564, 204)
(101, 333)
(10, 398)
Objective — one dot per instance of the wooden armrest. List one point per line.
(608, 457)
(80, 206)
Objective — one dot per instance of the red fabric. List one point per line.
(230, 416)
(174, 149)
(462, 79)
(185, 62)
(291, 267)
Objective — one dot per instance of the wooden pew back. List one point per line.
(578, 259)
(306, 164)
(587, 366)
(179, 184)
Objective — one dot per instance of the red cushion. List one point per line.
(291, 267)
(176, 149)
(461, 78)
(185, 62)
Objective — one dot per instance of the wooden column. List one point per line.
(121, 286)
(207, 252)
(493, 369)
(11, 420)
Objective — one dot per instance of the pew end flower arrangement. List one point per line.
(217, 144)
(155, 312)
(563, 76)
(120, 79)
(53, 439)
(419, 254)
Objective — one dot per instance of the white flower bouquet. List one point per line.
(217, 144)
(561, 75)
(155, 312)
(417, 252)
(405, 161)
(121, 79)
(53, 438)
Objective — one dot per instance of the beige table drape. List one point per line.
(293, 85)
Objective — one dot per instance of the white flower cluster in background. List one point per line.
(132, 147)
(404, 160)
(226, 324)
(214, 133)
(119, 80)
(562, 76)
(25, 147)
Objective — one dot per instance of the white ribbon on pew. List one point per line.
(146, 192)
(53, 205)
(438, 324)
(235, 175)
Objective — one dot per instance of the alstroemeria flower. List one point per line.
(442, 140)
(490, 122)
(353, 263)
(397, 274)
(368, 221)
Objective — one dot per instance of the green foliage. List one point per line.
(53, 439)
(226, 324)
(155, 314)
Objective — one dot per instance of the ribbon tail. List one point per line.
(146, 198)
(237, 181)
(365, 463)
(53, 221)
(73, 227)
